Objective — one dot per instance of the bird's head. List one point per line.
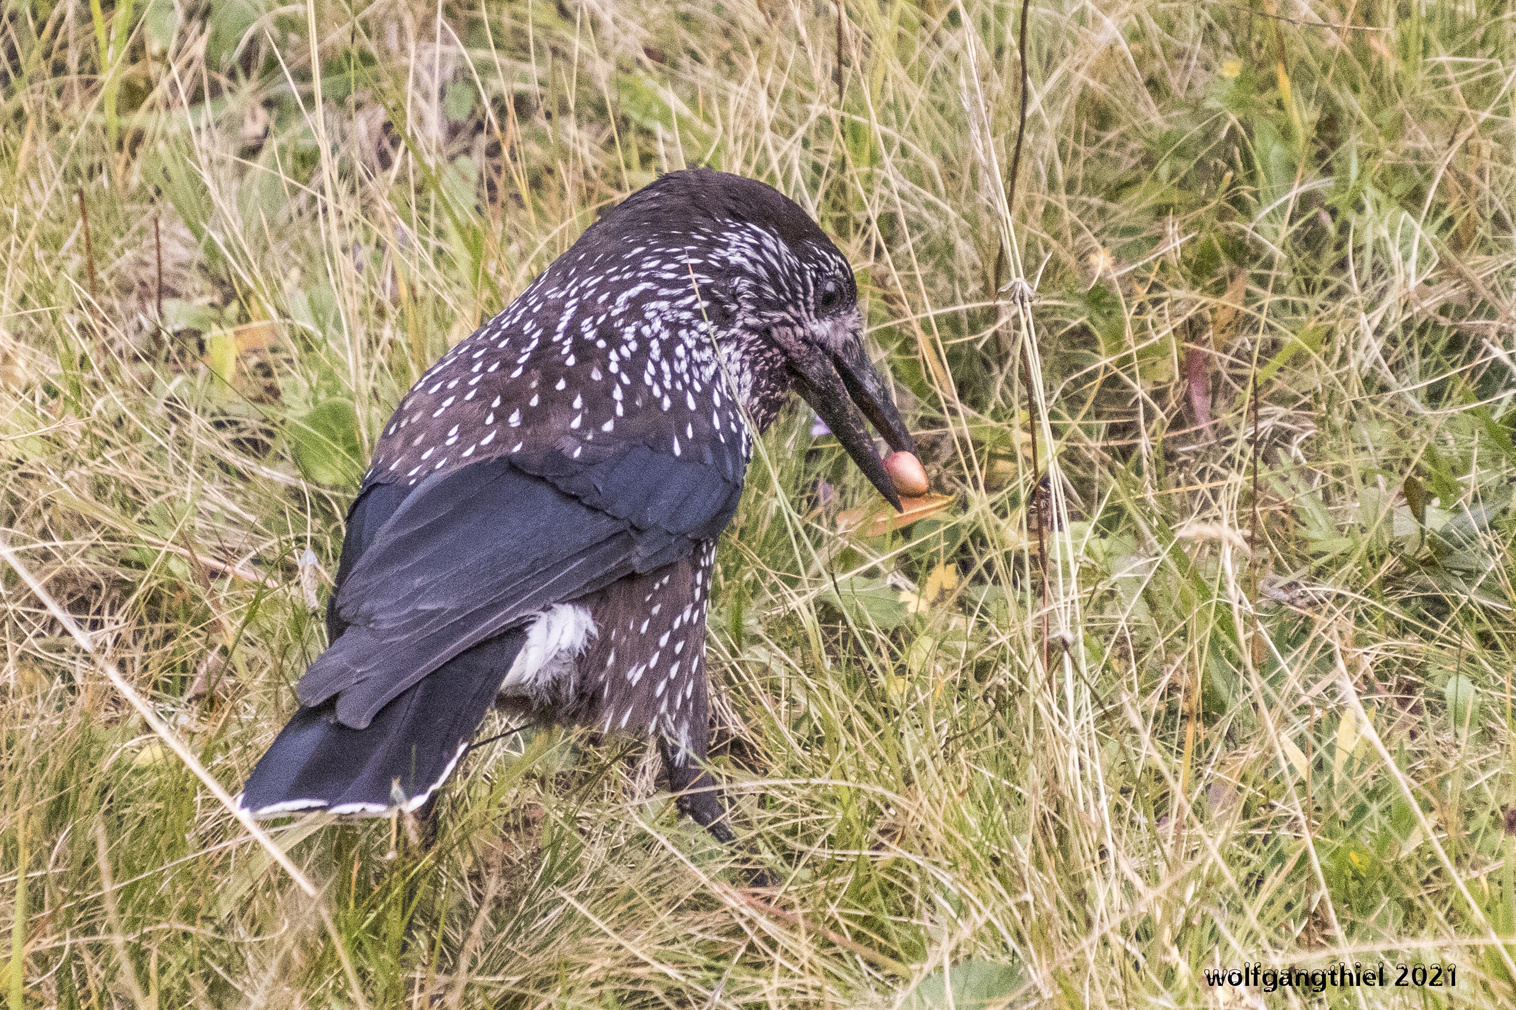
(781, 300)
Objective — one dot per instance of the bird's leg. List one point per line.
(694, 791)
(425, 817)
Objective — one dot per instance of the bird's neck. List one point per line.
(756, 374)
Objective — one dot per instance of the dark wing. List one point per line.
(373, 507)
(413, 743)
(473, 551)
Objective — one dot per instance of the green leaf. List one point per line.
(325, 443)
(171, 167)
(989, 602)
(314, 309)
(1105, 315)
(1463, 700)
(179, 315)
(160, 22)
(868, 602)
(651, 106)
(970, 985)
(1276, 163)
(921, 653)
(458, 102)
(230, 21)
(1416, 498)
(1308, 340)
(460, 181)
(1440, 580)
(1466, 525)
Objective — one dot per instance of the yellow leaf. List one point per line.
(940, 584)
(1347, 739)
(1362, 747)
(922, 652)
(1295, 756)
(1001, 470)
(999, 473)
(221, 354)
(1231, 68)
(1022, 437)
(152, 755)
(223, 347)
(1224, 315)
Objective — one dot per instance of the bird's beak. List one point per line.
(832, 383)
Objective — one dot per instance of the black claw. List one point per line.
(697, 797)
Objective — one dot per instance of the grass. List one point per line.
(1235, 687)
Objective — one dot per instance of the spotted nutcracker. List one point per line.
(539, 521)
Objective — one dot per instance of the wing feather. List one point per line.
(474, 551)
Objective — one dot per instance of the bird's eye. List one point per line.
(831, 294)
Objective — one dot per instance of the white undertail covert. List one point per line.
(546, 663)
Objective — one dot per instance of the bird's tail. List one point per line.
(399, 759)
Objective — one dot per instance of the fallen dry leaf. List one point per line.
(1225, 314)
(1229, 535)
(878, 518)
(255, 336)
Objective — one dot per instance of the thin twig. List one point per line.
(161, 728)
(233, 569)
(1304, 24)
(841, 10)
(166, 734)
(795, 919)
(1036, 497)
(89, 250)
(16, 995)
(113, 913)
(1010, 196)
(1035, 503)
(158, 245)
(1476, 910)
(1253, 404)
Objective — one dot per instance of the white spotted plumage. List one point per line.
(609, 316)
(671, 333)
